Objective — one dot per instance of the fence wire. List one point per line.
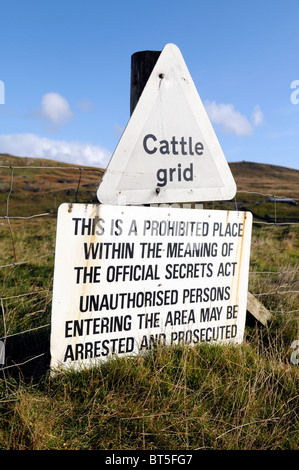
(12, 266)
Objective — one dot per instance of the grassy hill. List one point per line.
(41, 185)
(269, 179)
(176, 398)
(272, 186)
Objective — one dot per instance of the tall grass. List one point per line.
(173, 398)
(208, 397)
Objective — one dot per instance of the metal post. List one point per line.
(142, 64)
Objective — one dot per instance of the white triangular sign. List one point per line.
(169, 151)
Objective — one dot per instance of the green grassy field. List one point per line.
(173, 398)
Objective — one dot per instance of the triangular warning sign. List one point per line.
(169, 151)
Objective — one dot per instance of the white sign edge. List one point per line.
(106, 192)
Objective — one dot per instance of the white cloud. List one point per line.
(257, 116)
(118, 130)
(85, 106)
(55, 109)
(34, 146)
(230, 120)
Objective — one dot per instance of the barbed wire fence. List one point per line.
(10, 268)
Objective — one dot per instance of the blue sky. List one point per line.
(65, 66)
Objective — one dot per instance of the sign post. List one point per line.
(126, 277)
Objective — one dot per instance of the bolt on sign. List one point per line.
(126, 277)
(169, 151)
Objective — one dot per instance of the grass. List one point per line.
(208, 397)
(211, 396)
(176, 398)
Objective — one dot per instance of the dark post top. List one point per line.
(142, 64)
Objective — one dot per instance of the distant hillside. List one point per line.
(272, 179)
(41, 185)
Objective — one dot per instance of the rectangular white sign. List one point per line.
(126, 277)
